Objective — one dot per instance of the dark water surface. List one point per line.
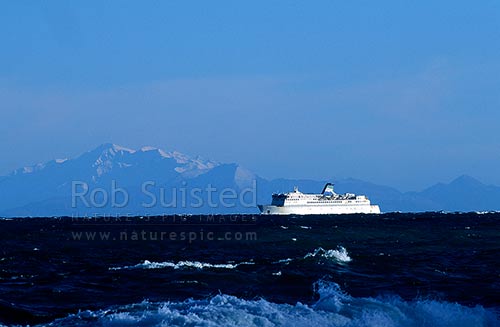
(431, 269)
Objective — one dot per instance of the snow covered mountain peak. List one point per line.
(111, 148)
(109, 159)
(111, 156)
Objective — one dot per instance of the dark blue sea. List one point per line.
(429, 269)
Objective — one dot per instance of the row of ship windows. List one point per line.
(357, 203)
(330, 201)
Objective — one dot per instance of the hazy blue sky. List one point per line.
(403, 93)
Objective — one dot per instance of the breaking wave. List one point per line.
(182, 264)
(340, 254)
(334, 308)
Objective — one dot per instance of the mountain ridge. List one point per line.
(44, 188)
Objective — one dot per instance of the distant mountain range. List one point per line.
(114, 180)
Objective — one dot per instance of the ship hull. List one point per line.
(318, 210)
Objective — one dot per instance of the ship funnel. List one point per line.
(328, 189)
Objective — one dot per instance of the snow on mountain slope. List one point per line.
(98, 167)
(46, 188)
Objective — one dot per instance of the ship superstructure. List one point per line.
(328, 202)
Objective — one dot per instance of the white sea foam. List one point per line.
(182, 264)
(285, 261)
(486, 212)
(340, 254)
(186, 282)
(305, 227)
(334, 308)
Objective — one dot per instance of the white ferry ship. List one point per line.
(326, 203)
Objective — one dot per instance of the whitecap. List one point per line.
(285, 261)
(182, 264)
(340, 254)
(334, 308)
